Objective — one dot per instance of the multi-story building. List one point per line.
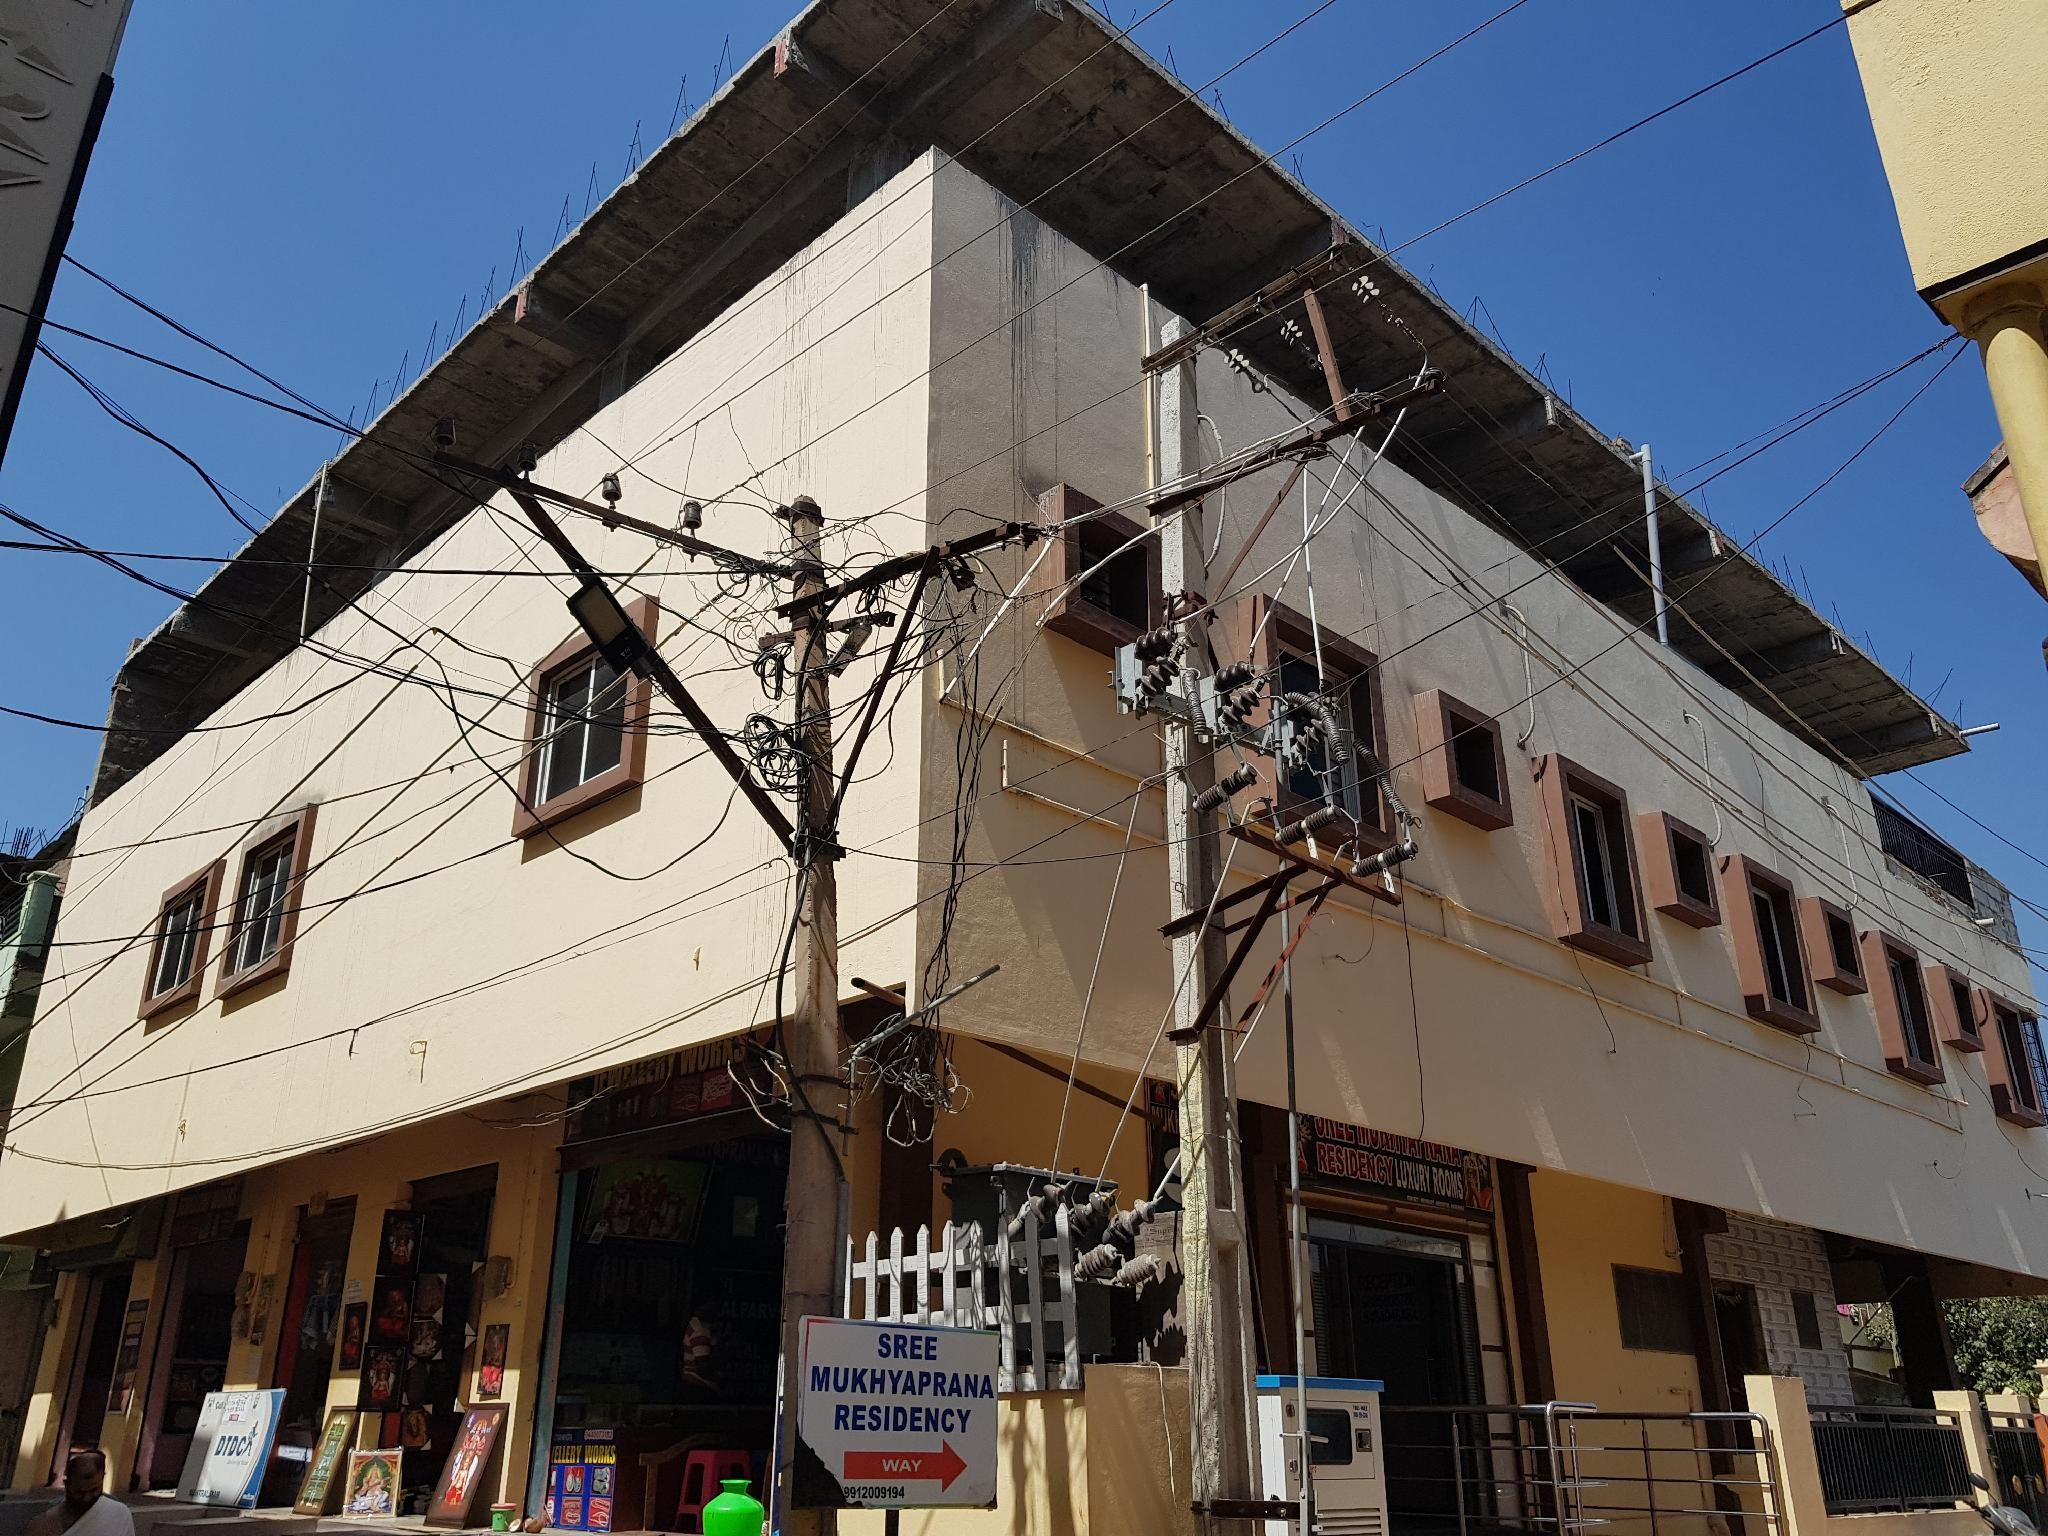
(421, 967)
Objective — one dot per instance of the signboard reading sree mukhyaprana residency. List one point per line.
(54, 61)
(895, 1416)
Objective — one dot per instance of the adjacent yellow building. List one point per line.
(1958, 93)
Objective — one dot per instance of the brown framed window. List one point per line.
(1898, 993)
(1830, 934)
(184, 934)
(1464, 767)
(1594, 891)
(2014, 1065)
(586, 730)
(1280, 643)
(1959, 1012)
(1116, 594)
(1770, 956)
(1678, 869)
(268, 890)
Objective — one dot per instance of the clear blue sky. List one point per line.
(316, 186)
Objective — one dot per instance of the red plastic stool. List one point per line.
(702, 1473)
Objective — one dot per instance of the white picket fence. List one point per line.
(1031, 1281)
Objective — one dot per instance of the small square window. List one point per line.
(1464, 768)
(1595, 898)
(1654, 1309)
(2015, 1065)
(1103, 573)
(1678, 871)
(264, 920)
(1905, 1023)
(586, 730)
(1959, 1010)
(1770, 955)
(184, 930)
(1830, 934)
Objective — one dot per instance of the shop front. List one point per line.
(1399, 1248)
(665, 1295)
(205, 1241)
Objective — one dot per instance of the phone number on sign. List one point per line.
(861, 1492)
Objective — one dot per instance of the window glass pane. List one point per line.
(1768, 942)
(605, 740)
(177, 939)
(582, 726)
(1596, 870)
(1912, 1004)
(259, 914)
(2037, 1060)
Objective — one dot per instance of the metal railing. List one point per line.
(2016, 1456)
(1899, 1459)
(1554, 1468)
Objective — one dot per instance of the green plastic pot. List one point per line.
(733, 1512)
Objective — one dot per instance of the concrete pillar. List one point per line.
(121, 1433)
(2006, 323)
(1802, 1506)
(1968, 1408)
(2041, 1370)
(523, 1230)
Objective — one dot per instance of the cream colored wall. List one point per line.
(1954, 88)
(1507, 1043)
(471, 965)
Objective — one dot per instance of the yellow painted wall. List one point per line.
(1584, 1229)
(378, 1173)
(1956, 95)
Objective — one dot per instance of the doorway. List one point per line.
(92, 1376)
(198, 1327)
(1396, 1306)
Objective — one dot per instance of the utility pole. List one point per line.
(814, 1206)
(1216, 1283)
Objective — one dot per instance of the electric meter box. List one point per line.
(1346, 1457)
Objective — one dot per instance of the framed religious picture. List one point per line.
(490, 1376)
(461, 1492)
(383, 1375)
(372, 1492)
(355, 1325)
(320, 1493)
(391, 1321)
(399, 1251)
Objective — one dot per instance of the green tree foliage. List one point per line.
(1996, 1342)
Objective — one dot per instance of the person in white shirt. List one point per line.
(86, 1510)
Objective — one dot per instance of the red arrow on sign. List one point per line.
(940, 1466)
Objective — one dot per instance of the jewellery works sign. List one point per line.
(1357, 1158)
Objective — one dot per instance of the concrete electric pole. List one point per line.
(814, 1205)
(1216, 1284)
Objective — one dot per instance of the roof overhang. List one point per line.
(1041, 99)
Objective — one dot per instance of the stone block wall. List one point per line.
(1778, 1259)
